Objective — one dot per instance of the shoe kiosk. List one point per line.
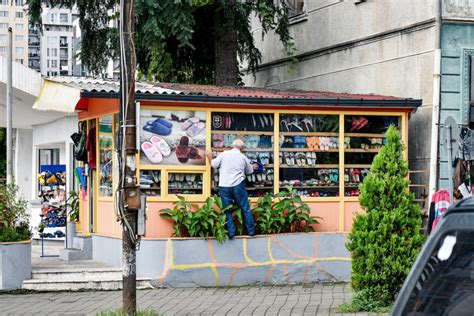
(323, 151)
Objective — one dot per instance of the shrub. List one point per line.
(285, 212)
(14, 225)
(192, 220)
(385, 241)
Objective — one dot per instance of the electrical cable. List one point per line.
(120, 150)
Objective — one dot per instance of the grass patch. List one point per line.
(365, 301)
(119, 312)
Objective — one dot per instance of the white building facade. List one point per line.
(51, 51)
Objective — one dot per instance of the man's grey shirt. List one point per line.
(233, 166)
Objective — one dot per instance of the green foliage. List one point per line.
(192, 220)
(364, 301)
(385, 241)
(73, 204)
(283, 213)
(174, 39)
(14, 225)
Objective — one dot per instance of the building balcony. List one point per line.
(64, 45)
(33, 44)
(34, 55)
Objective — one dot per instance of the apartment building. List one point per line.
(13, 14)
(51, 47)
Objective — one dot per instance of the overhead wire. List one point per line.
(120, 150)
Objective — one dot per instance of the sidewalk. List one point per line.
(312, 299)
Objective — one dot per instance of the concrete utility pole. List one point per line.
(9, 107)
(130, 192)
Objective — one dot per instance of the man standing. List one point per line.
(233, 168)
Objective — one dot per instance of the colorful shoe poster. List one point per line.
(172, 137)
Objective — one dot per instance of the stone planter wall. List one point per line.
(15, 264)
(272, 259)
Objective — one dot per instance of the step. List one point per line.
(79, 285)
(71, 274)
(73, 254)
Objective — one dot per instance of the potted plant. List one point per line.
(72, 204)
(15, 239)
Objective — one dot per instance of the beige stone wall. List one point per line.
(20, 28)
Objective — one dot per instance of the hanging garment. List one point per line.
(460, 172)
(466, 143)
(79, 140)
(441, 202)
(91, 148)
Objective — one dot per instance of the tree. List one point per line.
(196, 41)
(385, 241)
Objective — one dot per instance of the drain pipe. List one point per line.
(436, 105)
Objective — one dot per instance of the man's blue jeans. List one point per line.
(239, 195)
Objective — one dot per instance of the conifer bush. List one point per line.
(385, 241)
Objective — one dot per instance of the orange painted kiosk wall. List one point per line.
(334, 200)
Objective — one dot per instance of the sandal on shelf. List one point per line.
(182, 150)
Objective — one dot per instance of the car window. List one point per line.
(446, 285)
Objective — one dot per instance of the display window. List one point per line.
(150, 182)
(257, 131)
(321, 155)
(309, 154)
(106, 148)
(363, 138)
(172, 137)
(185, 183)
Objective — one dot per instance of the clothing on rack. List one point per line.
(91, 147)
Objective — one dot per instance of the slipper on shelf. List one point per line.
(157, 128)
(152, 152)
(194, 153)
(161, 121)
(182, 150)
(189, 122)
(195, 129)
(162, 145)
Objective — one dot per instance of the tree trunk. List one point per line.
(225, 49)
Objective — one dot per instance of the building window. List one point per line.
(54, 52)
(19, 61)
(48, 64)
(3, 49)
(19, 15)
(19, 50)
(3, 37)
(63, 17)
(3, 2)
(18, 38)
(3, 14)
(53, 17)
(52, 40)
(19, 3)
(54, 64)
(296, 7)
(3, 25)
(18, 26)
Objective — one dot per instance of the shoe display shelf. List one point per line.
(150, 182)
(363, 138)
(256, 130)
(53, 211)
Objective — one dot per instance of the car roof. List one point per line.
(465, 205)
